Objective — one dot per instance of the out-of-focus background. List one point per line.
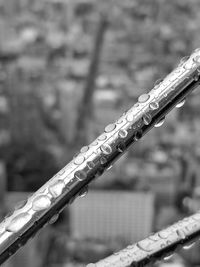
(67, 69)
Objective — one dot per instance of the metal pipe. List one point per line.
(44, 205)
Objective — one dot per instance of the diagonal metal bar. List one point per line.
(42, 207)
(160, 245)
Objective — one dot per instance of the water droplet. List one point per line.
(197, 59)
(80, 175)
(189, 64)
(106, 149)
(145, 245)
(95, 143)
(160, 123)
(79, 160)
(20, 204)
(168, 257)
(143, 98)
(83, 192)
(154, 105)
(121, 147)
(109, 128)
(41, 202)
(18, 222)
(121, 120)
(84, 149)
(157, 83)
(136, 105)
(103, 160)
(188, 246)
(54, 219)
(130, 117)
(122, 133)
(138, 135)
(147, 119)
(102, 137)
(90, 164)
(180, 233)
(180, 104)
(56, 189)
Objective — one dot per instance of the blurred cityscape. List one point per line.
(67, 69)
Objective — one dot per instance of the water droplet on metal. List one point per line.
(103, 160)
(143, 98)
(197, 59)
(160, 123)
(147, 119)
(180, 104)
(80, 175)
(56, 189)
(18, 222)
(189, 64)
(121, 120)
(106, 149)
(90, 164)
(109, 128)
(102, 137)
(41, 202)
(180, 233)
(154, 105)
(121, 147)
(20, 204)
(188, 246)
(79, 160)
(138, 135)
(130, 117)
(83, 192)
(54, 219)
(168, 257)
(84, 149)
(122, 133)
(157, 83)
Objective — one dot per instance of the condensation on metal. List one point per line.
(94, 159)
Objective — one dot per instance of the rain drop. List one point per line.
(180, 233)
(154, 105)
(188, 246)
(157, 84)
(109, 128)
(197, 59)
(102, 137)
(122, 133)
(79, 160)
(138, 135)
(166, 258)
(180, 104)
(143, 98)
(41, 202)
(136, 105)
(20, 204)
(147, 119)
(83, 192)
(56, 189)
(54, 219)
(84, 149)
(18, 222)
(130, 117)
(121, 147)
(90, 164)
(160, 123)
(106, 149)
(80, 175)
(103, 160)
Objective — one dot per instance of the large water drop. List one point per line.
(154, 105)
(18, 222)
(180, 104)
(41, 202)
(110, 128)
(160, 123)
(143, 98)
(56, 188)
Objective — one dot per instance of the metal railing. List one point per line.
(72, 181)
